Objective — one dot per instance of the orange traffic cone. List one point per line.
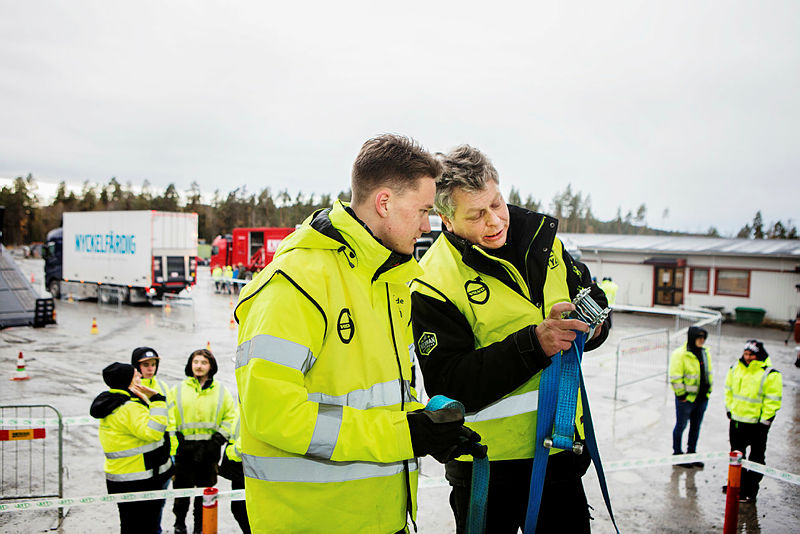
(230, 304)
(208, 345)
(70, 299)
(167, 308)
(233, 323)
(94, 326)
(21, 374)
(33, 279)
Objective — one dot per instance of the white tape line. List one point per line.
(664, 460)
(791, 478)
(47, 422)
(45, 504)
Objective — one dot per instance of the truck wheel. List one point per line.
(54, 287)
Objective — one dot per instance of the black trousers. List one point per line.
(141, 517)
(753, 435)
(234, 472)
(563, 507)
(191, 474)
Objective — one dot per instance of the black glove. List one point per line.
(442, 434)
(218, 439)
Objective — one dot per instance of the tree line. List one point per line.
(27, 219)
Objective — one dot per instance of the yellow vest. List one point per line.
(197, 413)
(684, 372)
(494, 310)
(323, 371)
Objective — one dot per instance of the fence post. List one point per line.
(732, 494)
(210, 510)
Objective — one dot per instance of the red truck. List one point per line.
(252, 247)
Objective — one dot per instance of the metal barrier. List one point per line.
(28, 453)
(655, 363)
(177, 310)
(641, 357)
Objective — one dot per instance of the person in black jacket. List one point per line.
(487, 318)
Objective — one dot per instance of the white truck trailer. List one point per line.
(143, 254)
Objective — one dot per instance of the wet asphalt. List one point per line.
(65, 360)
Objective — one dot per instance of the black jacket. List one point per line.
(479, 377)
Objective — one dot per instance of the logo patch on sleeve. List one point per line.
(427, 342)
(553, 262)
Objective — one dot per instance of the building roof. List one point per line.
(682, 245)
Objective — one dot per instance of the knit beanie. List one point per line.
(118, 375)
(757, 348)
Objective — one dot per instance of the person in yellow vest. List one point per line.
(216, 275)
(231, 468)
(145, 360)
(204, 412)
(133, 419)
(227, 278)
(486, 318)
(753, 393)
(331, 428)
(610, 288)
(691, 376)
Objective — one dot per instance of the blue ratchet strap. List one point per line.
(558, 390)
(479, 495)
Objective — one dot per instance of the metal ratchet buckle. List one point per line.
(577, 446)
(588, 311)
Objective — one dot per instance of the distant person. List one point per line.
(146, 360)
(691, 377)
(753, 391)
(227, 278)
(610, 288)
(216, 275)
(204, 413)
(133, 419)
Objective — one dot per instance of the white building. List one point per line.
(697, 271)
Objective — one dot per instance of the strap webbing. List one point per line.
(479, 495)
(558, 390)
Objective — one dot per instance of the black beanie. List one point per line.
(143, 353)
(118, 375)
(757, 348)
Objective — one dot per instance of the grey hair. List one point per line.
(465, 168)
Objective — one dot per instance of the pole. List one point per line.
(732, 495)
(210, 510)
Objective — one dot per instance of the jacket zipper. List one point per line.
(402, 404)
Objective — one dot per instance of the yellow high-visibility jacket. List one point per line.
(323, 370)
(198, 412)
(753, 392)
(684, 372)
(132, 436)
(468, 305)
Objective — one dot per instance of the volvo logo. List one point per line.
(477, 291)
(345, 326)
(553, 262)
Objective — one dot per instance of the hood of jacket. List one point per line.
(107, 402)
(693, 333)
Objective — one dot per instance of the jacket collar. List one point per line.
(360, 248)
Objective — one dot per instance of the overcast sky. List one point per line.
(692, 107)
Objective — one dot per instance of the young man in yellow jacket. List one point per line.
(133, 419)
(753, 393)
(691, 376)
(330, 424)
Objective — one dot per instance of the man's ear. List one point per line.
(382, 200)
(447, 222)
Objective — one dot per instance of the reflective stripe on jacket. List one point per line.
(753, 392)
(199, 412)
(684, 372)
(132, 437)
(495, 310)
(323, 372)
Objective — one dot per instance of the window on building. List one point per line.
(699, 280)
(733, 282)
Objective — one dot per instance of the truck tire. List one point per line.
(54, 287)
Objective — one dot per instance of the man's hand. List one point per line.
(556, 334)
